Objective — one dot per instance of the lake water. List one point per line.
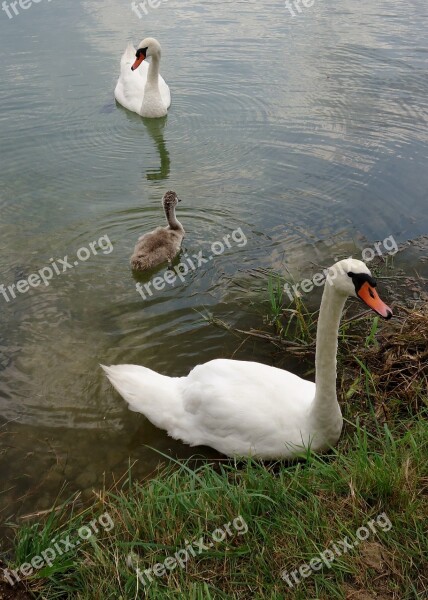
(307, 132)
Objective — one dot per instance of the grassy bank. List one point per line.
(293, 513)
(348, 524)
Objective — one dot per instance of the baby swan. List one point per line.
(164, 243)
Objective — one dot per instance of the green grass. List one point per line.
(299, 324)
(293, 512)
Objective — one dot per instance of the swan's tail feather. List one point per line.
(130, 87)
(126, 62)
(143, 262)
(156, 396)
(128, 56)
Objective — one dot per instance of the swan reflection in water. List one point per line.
(155, 128)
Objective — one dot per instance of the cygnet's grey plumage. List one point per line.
(164, 243)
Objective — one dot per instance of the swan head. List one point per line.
(170, 200)
(148, 47)
(351, 277)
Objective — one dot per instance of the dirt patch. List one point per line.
(8, 592)
(353, 594)
(376, 571)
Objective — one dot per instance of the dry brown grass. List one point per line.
(399, 360)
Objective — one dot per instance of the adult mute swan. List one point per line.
(140, 87)
(162, 244)
(250, 409)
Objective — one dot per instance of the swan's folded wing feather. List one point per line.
(239, 406)
(129, 91)
(165, 92)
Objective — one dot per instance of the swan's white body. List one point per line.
(238, 408)
(144, 90)
(247, 408)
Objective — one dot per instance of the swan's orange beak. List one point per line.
(369, 296)
(138, 62)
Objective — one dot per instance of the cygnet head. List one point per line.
(170, 200)
(351, 277)
(148, 47)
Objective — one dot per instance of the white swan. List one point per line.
(140, 87)
(247, 408)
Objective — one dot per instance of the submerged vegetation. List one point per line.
(293, 512)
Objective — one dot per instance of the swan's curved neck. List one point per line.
(173, 222)
(326, 409)
(153, 73)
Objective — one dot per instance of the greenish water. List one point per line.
(308, 133)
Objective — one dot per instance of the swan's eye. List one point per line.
(360, 278)
(141, 51)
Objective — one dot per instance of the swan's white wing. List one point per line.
(164, 92)
(243, 408)
(129, 91)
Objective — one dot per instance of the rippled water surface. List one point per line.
(309, 133)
